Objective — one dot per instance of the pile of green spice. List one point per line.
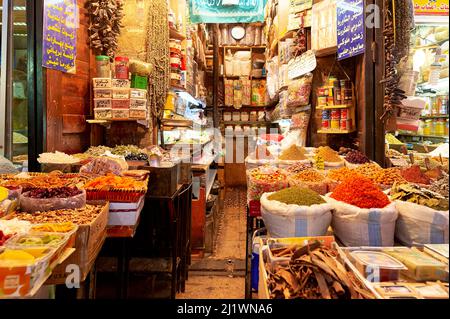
(297, 196)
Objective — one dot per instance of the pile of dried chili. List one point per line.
(414, 174)
(360, 192)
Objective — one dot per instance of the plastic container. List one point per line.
(120, 93)
(227, 116)
(138, 104)
(103, 114)
(120, 83)
(101, 83)
(139, 82)
(120, 103)
(121, 67)
(236, 116)
(120, 114)
(244, 116)
(102, 93)
(377, 266)
(103, 66)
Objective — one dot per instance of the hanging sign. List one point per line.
(301, 65)
(431, 7)
(350, 28)
(60, 35)
(221, 11)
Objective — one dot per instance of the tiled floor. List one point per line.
(231, 244)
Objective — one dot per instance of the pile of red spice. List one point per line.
(360, 192)
(414, 174)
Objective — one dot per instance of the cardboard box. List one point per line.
(102, 103)
(120, 114)
(102, 93)
(102, 114)
(120, 93)
(89, 241)
(120, 103)
(121, 83)
(138, 94)
(140, 104)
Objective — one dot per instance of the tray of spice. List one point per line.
(116, 188)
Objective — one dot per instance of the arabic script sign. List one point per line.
(431, 7)
(217, 11)
(59, 35)
(350, 28)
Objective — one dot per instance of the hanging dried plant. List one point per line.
(105, 23)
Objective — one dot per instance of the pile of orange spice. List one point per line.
(360, 192)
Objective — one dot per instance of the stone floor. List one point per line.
(208, 278)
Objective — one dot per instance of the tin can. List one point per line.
(326, 114)
(330, 100)
(343, 125)
(322, 100)
(344, 114)
(321, 91)
(335, 114)
(325, 123)
(335, 124)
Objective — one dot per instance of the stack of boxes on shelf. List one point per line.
(119, 98)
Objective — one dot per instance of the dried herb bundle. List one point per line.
(314, 273)
(105, 23)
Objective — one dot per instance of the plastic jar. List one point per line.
(103, 66)
(122, 69)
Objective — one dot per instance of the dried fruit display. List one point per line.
(313, 272)
(98, 150)
(56, 192)
(81, 216)
(360, 192)
(54, 227)
(298, 167)
(4, 238)
(51, 180)
(102, 166)
(264, 179)
(441, 186)
(418, 195)
(387, 177)
(367, 169)
(111, 182)
(356, 157)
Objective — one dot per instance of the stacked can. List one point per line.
(325, 119)
(344, 120)
(335, 119)
(175, 62)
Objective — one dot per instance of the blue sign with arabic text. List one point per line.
(60, 35)
(220, 11)
(350, 28)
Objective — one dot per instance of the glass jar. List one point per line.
(427, 127)
(121, 68)
(103, 66)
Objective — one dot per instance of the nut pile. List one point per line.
(368, 169)
(387, 177)
(298, 167)
(80, 216)
(356, 157)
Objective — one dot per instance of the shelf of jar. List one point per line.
(329, 107)
(335, 131)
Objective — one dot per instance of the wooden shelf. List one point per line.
(334, 131)
(330, 107)
(425, 136)
(326, 52)
(243, 47)
(287, 35)
(177, 123)
(425, 117)
(244, 122)
(174, 34)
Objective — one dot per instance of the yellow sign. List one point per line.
(431, 7)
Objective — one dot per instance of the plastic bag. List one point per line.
(299, 91)
(283, 220)
(31, 205)
(418, 224)
(356, 226)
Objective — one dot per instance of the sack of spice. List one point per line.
(310, 178)
(423, 215)
(264, 179)
(337, 175)
(330, 156)
(363, 214)
(292, 155)
(295, 212)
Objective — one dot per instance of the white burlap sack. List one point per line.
(356, 226)
(283, 220)
(418, 224)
